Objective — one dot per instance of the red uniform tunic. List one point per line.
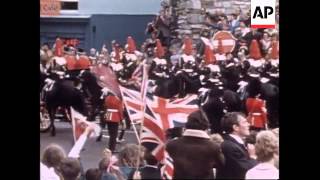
(257, 112)
(71, 62)
(114, 106)
(83, 63)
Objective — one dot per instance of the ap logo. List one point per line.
(263, 13)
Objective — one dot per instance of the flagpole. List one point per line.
(73, 124)
(135, 131)
(202, 111)
(143, 94)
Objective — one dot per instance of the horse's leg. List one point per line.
(52, 116)
(94, 111)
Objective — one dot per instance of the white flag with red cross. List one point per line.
(80, 123)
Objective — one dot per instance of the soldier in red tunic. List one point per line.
(257, 113)
(113, 116)
(83, 62)
(71, 60)
(256, 107)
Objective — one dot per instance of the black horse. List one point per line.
(62, 93)
(167, 84)
(189, 82)
(92, 92)
(96, 95)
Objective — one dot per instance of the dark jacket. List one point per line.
(194, 157)
(150, 173)
(214, 111)
(237, 160)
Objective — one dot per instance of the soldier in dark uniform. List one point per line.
(214, 108)
(231, 74)
(188, 76)
(253, 34)
(189, 79)
(273, 75)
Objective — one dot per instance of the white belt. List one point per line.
(112, 110)
(256, 114)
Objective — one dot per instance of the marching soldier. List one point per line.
(113, 116)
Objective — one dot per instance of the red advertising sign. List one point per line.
(50, 7)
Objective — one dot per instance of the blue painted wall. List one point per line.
(65, 28)
(95, 30)
(119, 6)
(118, 27)
(105, 20)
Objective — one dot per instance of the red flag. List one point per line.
(106, 78)
(79, 125)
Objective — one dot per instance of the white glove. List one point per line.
(201, 77)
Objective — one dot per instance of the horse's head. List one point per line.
(88, 80)
(84, 75)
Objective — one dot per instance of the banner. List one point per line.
(50, 7)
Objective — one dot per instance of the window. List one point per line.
(69, 6)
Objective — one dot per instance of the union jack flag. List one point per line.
(167, 169)
(133, 102)
(160, 114)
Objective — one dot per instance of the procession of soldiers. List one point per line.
(232, 84)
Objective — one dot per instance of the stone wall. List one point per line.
(188, 16)
(226, 6)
